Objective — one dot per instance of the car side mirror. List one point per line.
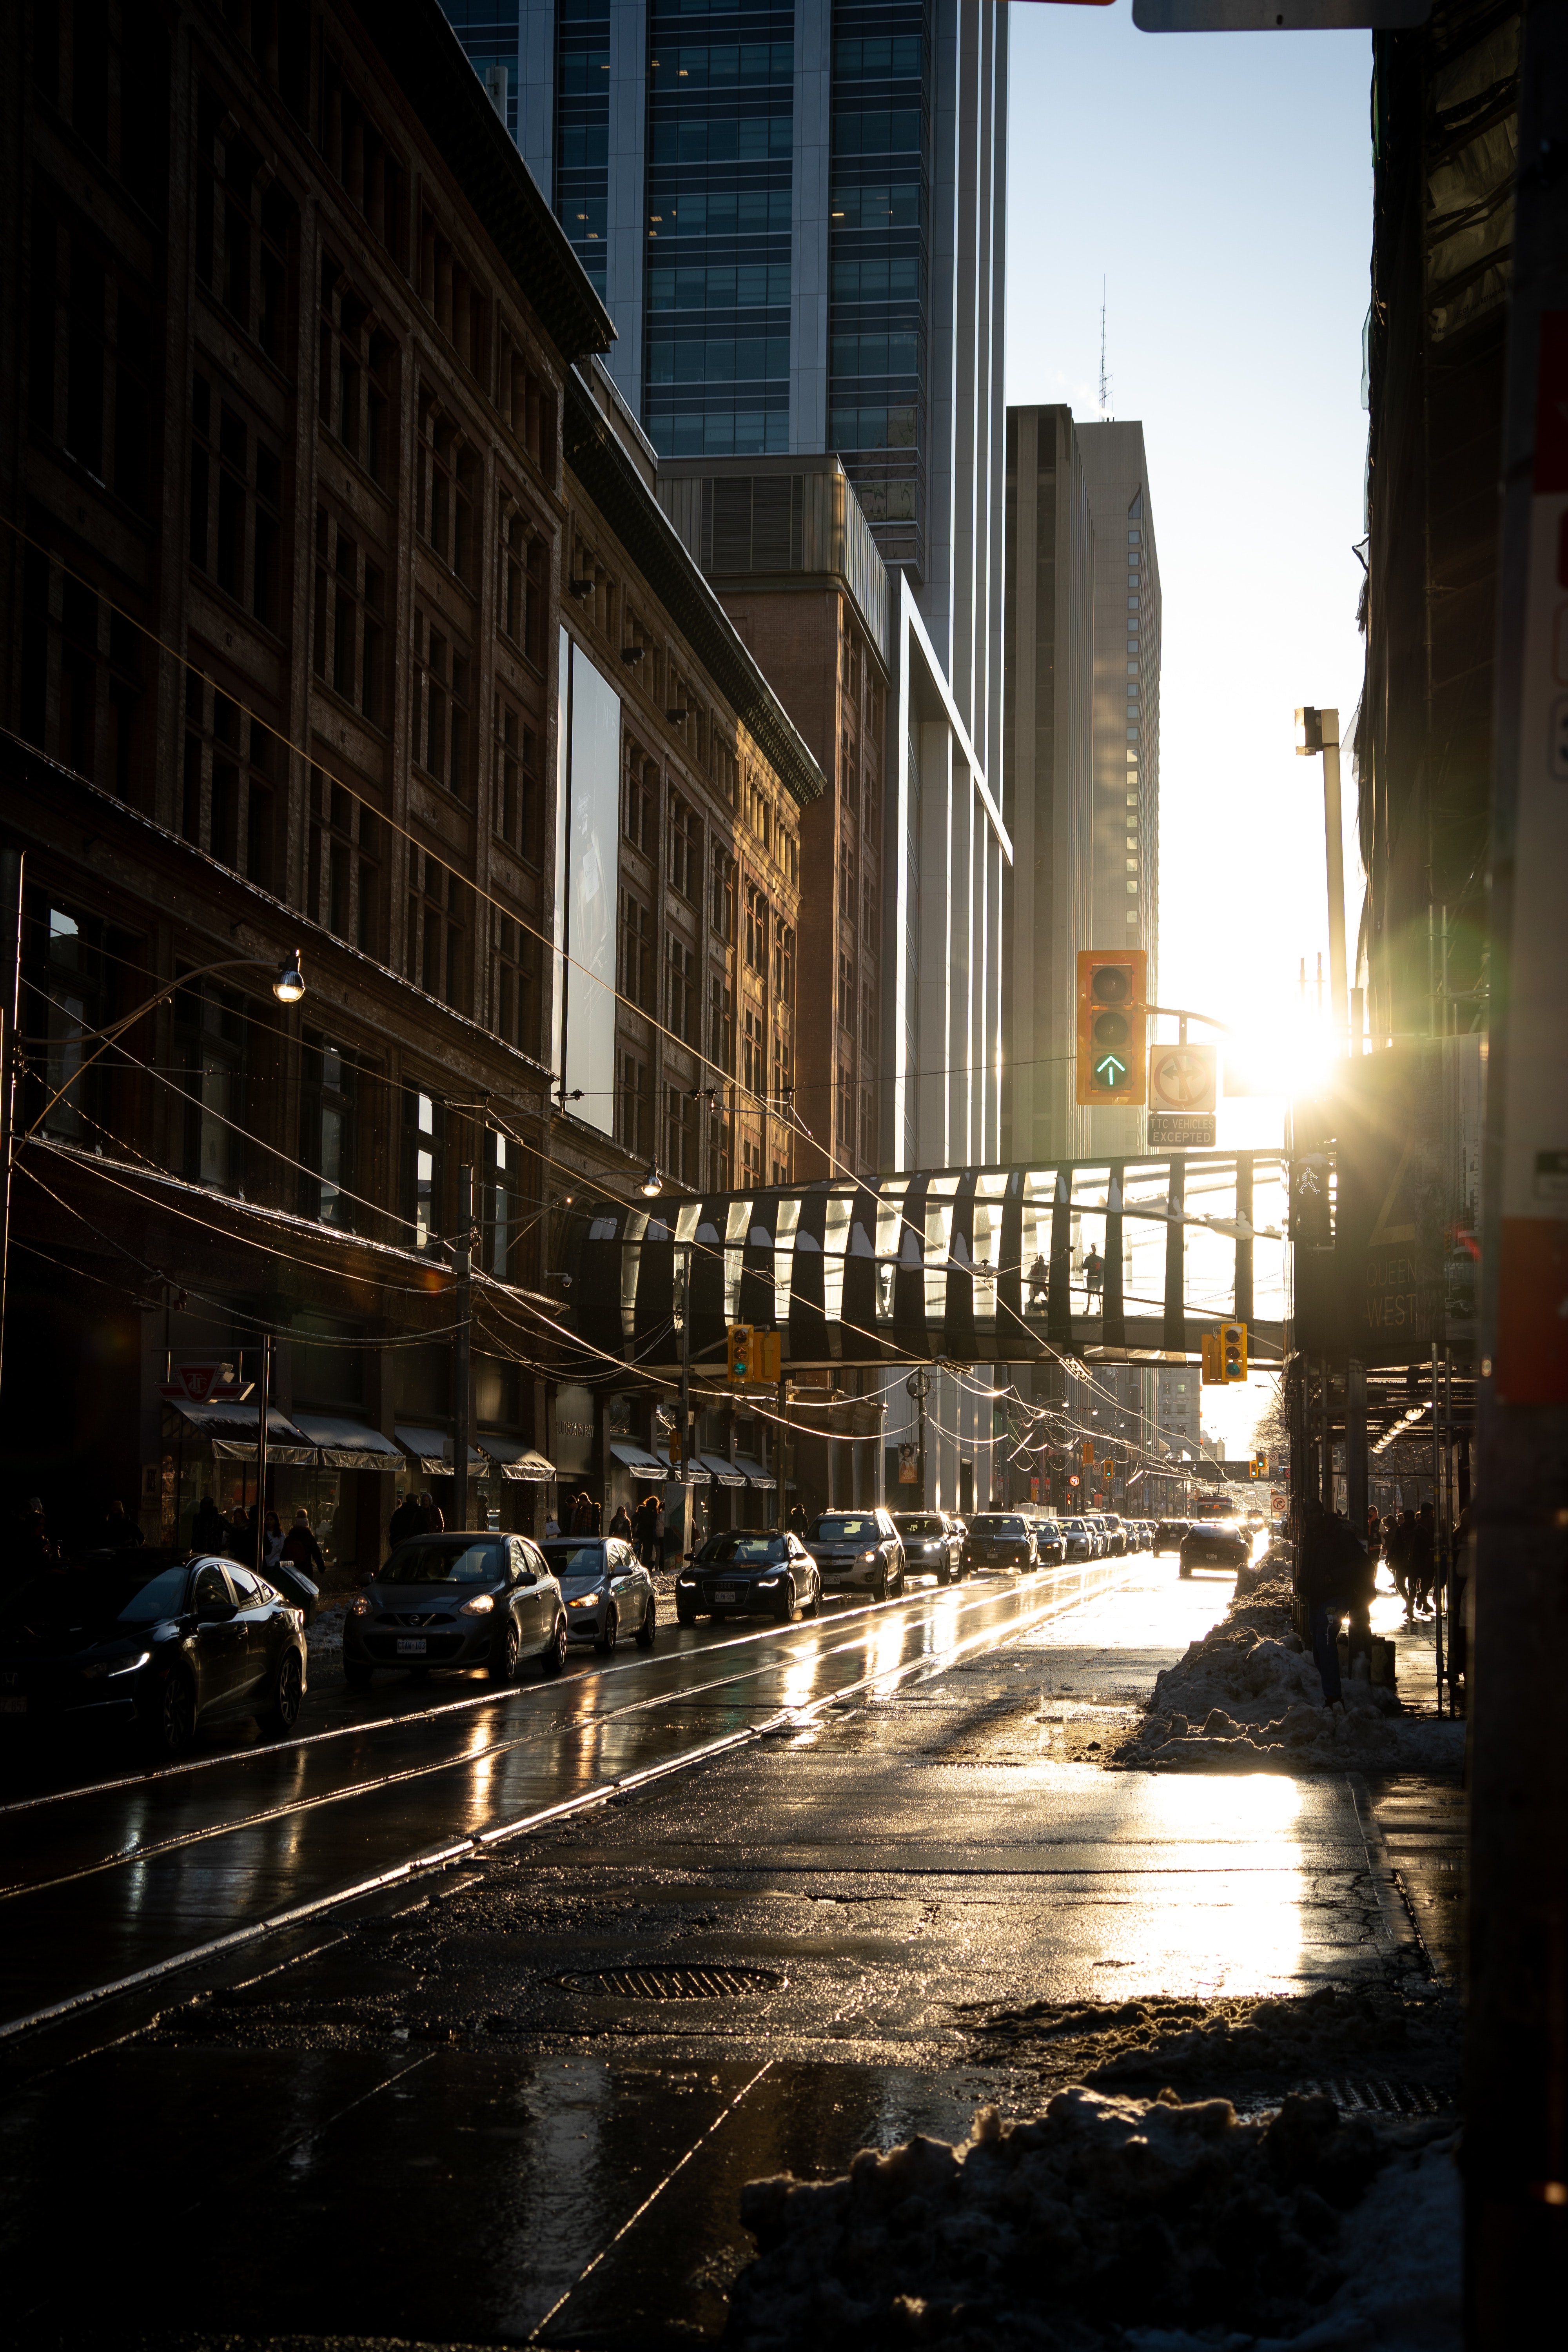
(526, 1576)
(217, 1612)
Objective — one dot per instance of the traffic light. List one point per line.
(1086, 1452)
(739, 1357)
(1260, 1466)
(1112, 1023)
(1233, 1351)
(1214, 1359)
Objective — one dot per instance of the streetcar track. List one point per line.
(455, 1851)
(130, 1855)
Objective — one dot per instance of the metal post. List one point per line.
(685, 1408)
(1326, 1465)
(1243, 1202)
(13, 867)
(1439, 1524)
(1333, 842)
(1355, 1446)
(462, 1254)
(783, 1436)
(1516, 2109)
(263, 1403)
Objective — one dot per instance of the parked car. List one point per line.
(749, 1571)
(1145, 1535)
(1116, 1544)
(1000, 1539)
(1078, 1540)
(1096, 1525)
(170, 1648)
(1168, 1534)
(1215, 1543)
(933, 1545)
(1254, 1518)
(1050, 1543)
(857, 1550)
(606, 1589)
(457, 1600)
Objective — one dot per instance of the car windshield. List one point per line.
(840, 1529)
(917, 1523)
(748, 1551)
(988, 1524)
(88, 1603)
(451, 1561)
(575, 1559)
(1049, 1528)
(1075, 1526)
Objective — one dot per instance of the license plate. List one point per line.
(13, 1707)
(411, 1647)
(726, 1598)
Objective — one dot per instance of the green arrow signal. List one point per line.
(1110, 1071)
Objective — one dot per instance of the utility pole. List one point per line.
(1516, 2061)
(784, 1451)
(1319, 731)
(462, 1259)
(262, 1407)
(686, 1478)
(919, 1387)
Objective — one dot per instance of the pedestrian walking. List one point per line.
(1334, 1580)
(407, 1519)
(1039, 1282)
(551, 1526)
(642, 1529)
(584, 1515)
(300, 1549)
(621, 1525)
(121, 1532)
(272, 1541)
(432, 1523)
(1424, 1559)
(796, 1521)
(657, 1563)
(1093, 1278)
(209, 1528)
(1373, 1531)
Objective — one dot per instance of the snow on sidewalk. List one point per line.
(1247, 1697)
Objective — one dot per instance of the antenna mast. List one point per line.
(1104, 379)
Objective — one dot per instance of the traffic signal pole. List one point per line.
(1515, 2152)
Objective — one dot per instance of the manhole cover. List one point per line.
(685, 1983)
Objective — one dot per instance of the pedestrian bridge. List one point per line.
(977, 1265)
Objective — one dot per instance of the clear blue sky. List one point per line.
(1220, 184)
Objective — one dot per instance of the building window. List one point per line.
(685, 848)
(237, 477)
(679, 1137)
(437, 932)
(210, 1028)
(441, 707)
(343, 880)
(846, 993)
(524, 593)
(350, 621)
(516, 813)
(446, 487)
(634, 1108)
(680, 989)
(867, 1018)
(232, 764)
(71, 967)
(757, 930)
(245, 232)
(354, 388)
(753, 1053)
(639, 803)
(500, 1244)
(329, 1134)
(517, 985)
(424, 1165)
(721, 910)
(637, 975)
(721, 1023)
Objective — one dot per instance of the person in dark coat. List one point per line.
(1422, 1559)
(406, 1520)
(1334, 1578)
(584, 1516)
(121, 1532)
(621, 1525)
(209, 1528)
(432, 1521)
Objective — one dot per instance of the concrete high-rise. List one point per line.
(1048, 770)
(794, 211)
(1125, 884)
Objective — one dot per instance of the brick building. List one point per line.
(322, 531)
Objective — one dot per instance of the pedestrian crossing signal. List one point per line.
(739, 1354)
(1213, 1361)
(1113, 1060)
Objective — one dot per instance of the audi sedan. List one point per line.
(168, 1651)
(1215, 1543)
(857, 1552)
(748, 1572)
(478, 1600)
(607, 1589)
(1000, 1539)
(933, 1545)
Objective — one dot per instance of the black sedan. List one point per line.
(478, 1600)
(1215, 1543)
(167, 1648)
(748, 1572)
(1000, 1539)
(1168, 1534)
(1050, 1543)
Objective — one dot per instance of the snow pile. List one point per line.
(1108, 2214)
(324, 1636)
(1248, 1698)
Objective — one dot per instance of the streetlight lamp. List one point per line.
(652, 1183)
(1319, 730)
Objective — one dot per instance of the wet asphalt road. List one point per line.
(490, 2107)
(103, 1883)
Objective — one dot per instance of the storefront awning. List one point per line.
(638, 1459)
(515, 1461)
(699, 1477)
(430, 1450)
(230, 1430)
(754, 1474)
(724, 1472)
(349, 1445)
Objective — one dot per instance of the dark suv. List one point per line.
(857, 1552)
(933, 1545)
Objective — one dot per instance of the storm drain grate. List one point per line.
(1380, 2099)
(686, 1983)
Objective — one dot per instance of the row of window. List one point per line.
(751, 285)
(737, 359)
(743, 139)
(722, 66)
(722, 212)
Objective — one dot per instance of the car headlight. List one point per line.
(590, 1600)
(685, 1580)
(102, 1669)
(868, 1555)
(480, 1606)
(360, 1608)
(769, 1580)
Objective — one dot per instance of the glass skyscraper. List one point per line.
(794, 212)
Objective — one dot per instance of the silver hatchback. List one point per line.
(607, 1589)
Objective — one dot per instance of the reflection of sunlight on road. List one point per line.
(886, 1639)
(799, 1682)
(1236, 1924)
